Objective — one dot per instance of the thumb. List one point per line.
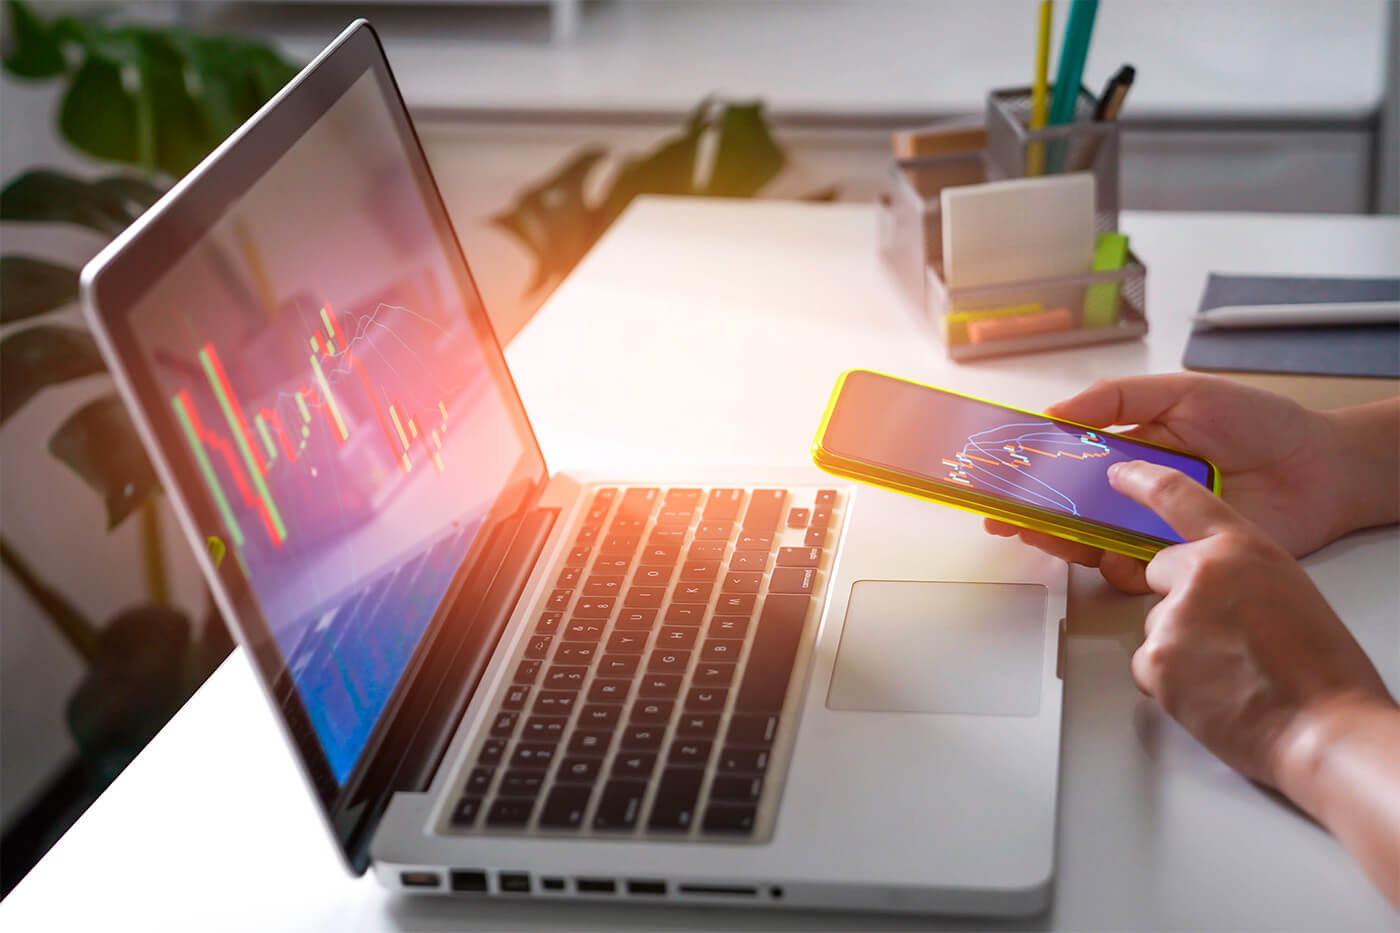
(1192, 510)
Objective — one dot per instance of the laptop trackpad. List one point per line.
(924, 647)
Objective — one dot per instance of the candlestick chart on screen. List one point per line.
(1005, 459)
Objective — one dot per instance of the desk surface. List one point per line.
(732, 319)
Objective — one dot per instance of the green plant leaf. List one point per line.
(100, 444)
(746, 155)
(136, 193)
(37, 357)
(106, 206)
(554, 220)
(31, 286)
(668, 169)
(97, 115)
(36, 51)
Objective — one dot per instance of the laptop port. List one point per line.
(596, 886)
(420, 879)
(514, 882)
(719, 890)
(635, 886)
(552, 884)
(469, 881)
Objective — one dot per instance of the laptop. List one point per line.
(502, 680)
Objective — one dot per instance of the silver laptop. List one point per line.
(506, 681)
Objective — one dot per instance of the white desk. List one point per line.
(726, 322)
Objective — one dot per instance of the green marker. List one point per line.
(1101, 298)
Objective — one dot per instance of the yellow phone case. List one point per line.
(1025, 516)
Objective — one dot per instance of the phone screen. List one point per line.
(963, 442)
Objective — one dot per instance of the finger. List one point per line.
(1000, 529)
(1064, 549)
(1191, 509)
(1134, 400)
(1168, 568)
(1125, 573)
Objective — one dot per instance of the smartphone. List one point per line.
(1017, 466)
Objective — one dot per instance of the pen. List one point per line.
(1235, 317)
(1073, 51)
(1035, 152)
(1109, 105)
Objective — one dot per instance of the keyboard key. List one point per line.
(575, 652)
(736, 787)
(636, 620)
(464, 814)
(706, 699)
(821, 516)
(797, 518)
(521, 784)
(633, 765)
(723, 504)
(660, 686)
(577, 557)
(674, 516)
(549, 622)
(792, 580)
(544, 728)
(698, 725)
(749, 560)
(587, 535)
(627, 642)
(685, 613)
(564, 807)
(603, 586)
(604, 496)
(826, 497)
(555, 702)
(583, 630)
(590, 742)
(559, 599)
(536, 648)
(677, 637)
(754, 542)
(692, 593)
(765, 508)
(618, 665)
(741, 582)
(728, 627)
(491, 752)
(637, 502)
(705, 550)
(645, 597)
(620, 805)
(614, 545)
(596, 513)
(652, 711)
(743, 760)
(714, 531)
(594, 607)
(515, 697)
(674, 807)
(568, 577)
(599, 716)
(652, 576)
(609, 690)
(509, 811)
(816, 537)
(563, 678)
(663, 555)
(730, 818)
(578, 770)
(799, 556)
(773, 651)
(479, 781)
(532, 755)
(700, 570)
(666, 537)
(689, 753)
(721, 649)
(627, 526)
(735, 603)
(752, 729)
(612, 566)
(669, 662)
(642, 738)
(714, 675)
(503, 725)
(682, 496)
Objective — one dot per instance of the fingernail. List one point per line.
(1115, 468)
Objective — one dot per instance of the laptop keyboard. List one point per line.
(648, 696)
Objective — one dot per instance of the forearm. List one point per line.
(1367, 464)
(1343, 768)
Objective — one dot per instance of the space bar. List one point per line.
(774, 650)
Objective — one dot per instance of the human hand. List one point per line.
(1242, 650)
(1278, 462)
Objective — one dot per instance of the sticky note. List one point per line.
(955, 322)
(1101, 298)
(1023, 325)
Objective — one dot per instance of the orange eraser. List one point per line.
(1022, 325)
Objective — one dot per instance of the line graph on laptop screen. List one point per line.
(325, 379)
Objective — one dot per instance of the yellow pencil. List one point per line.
(1035, 152)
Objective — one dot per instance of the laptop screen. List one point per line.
(349, 419)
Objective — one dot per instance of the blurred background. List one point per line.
(541, 119)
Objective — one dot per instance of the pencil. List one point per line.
(1035, 152)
